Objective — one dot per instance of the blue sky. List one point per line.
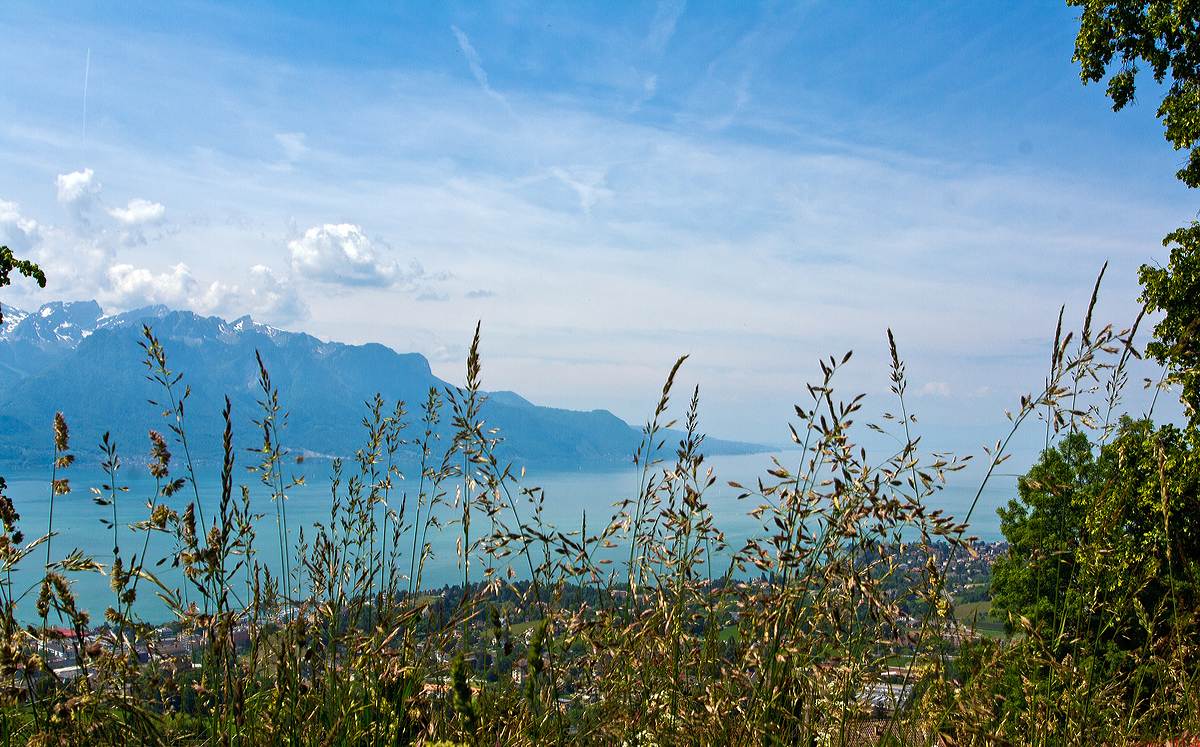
(606, 186)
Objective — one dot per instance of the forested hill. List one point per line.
(70, 357)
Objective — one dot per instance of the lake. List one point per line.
(77, 520)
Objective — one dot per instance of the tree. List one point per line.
(1044, 527)
(8, 263)
(1104, 553)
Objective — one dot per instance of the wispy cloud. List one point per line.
(589, 191)
(725, 89)
(649, 87)
(662, 28)
(293, 144)
(476, 64)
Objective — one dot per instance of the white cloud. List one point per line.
(272, 299)
(130, 287)
(74, 264)
(139, 212)
(77, 193)
(82, 264)
(263, 296)
(479, 294)
(343, 255)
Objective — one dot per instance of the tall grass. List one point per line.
(646, 626)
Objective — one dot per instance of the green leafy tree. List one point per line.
(1105, 551)
(1044, 528)
(8, 263)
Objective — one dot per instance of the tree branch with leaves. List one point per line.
(8, 263)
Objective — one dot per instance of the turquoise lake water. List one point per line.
(77, 520)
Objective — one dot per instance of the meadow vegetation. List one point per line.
(833, 625)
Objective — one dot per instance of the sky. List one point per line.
(603, 187)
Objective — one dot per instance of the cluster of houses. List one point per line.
(60, 649)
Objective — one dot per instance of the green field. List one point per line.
(976, 615)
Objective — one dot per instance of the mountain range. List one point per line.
(73, 358)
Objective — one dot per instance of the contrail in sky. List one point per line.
(476, 64)
(86, 67)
